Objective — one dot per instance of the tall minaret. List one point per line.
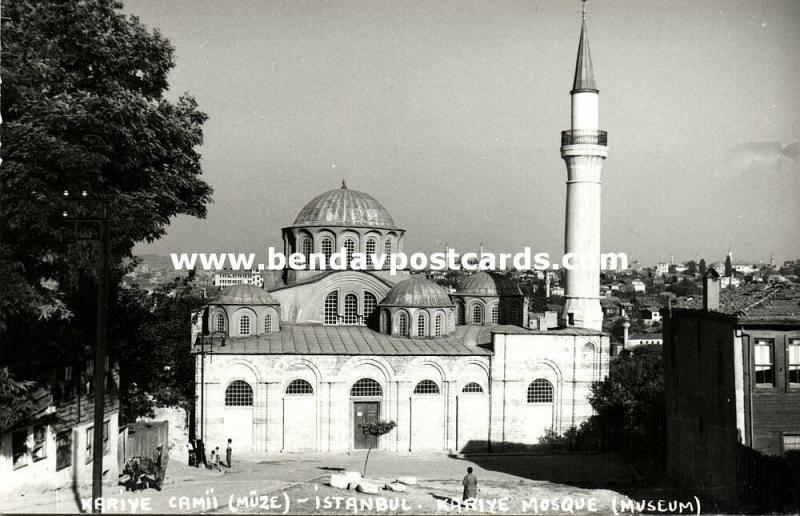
(583, 148)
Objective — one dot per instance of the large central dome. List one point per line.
(344, 207)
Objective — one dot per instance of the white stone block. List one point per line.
(367, 487)
(354, 476)
(409, 481)
(340, 481)
(396, 487)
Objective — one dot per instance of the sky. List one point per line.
(449, 113)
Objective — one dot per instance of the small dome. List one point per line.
(344, 207)
(244, 295)
(417, 292)
(488, 284)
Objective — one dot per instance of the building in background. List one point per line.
(229, 277)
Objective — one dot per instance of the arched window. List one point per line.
(514, 314)
(495, 314)
(370, 303)
(332, 308)
(350, 309)
(244, 325)
(306, 249)
(540, 391)
(437, 326)
(372, 248)
(472, 387)
(268, 323)
(421, 323)
(239, 394)
(349, 249)
(299, 387)
(220, 326)
(366, 387)
(402, 324)
(387, 247)
(460, 319)
(477, 314)
(327, 250)
(426, 387)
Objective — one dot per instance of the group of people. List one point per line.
(215, 462)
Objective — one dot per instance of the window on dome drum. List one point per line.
(306, 249)
(268, 323)
(421, 325)
(327, 250)
(495, 314)
(332, 308)
(460, 319)
(540, 391)
(299, 387)
(763, 363)
(477, 314)
(349, 249)
(437, 328)
(793, 362)
(239, 394)
(244, 325)
(472, 387)
(366, 387)
(387, 247)
(402, 324)
(426, 387)
(370, 303)
(372, 248)
(220, 322)
(350, 309)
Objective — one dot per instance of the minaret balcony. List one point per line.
(584, 137)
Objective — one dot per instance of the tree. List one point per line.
(376, 428)
(15, 403)
(691, 268)
(84, 108)
(702, 267)
(728, 266)
(685, 287)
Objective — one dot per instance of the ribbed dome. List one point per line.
(244, 295)
(345, 207)
(488, 284)
(417, 292)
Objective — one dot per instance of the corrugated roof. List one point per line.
(306, 339)
(756, 302)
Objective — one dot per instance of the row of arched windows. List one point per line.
(326, 247)
(240, 394)
(403, 325)
(477, 316)
(246, 325)
(351, 314)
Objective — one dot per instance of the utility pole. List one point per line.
(100, 218)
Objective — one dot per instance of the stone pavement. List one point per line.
(264, 484)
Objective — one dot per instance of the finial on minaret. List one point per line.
(583, 16)
(344, 185)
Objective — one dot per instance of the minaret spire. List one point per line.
(584, 72)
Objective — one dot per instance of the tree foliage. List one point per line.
(83, 107)
(15, 402)
(376, 428)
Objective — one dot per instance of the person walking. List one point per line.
(470, 485)
(216, 458)
(160, 472)
(228, 453)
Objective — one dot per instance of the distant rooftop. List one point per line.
(756, 302)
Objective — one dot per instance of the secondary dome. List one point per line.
(344, 207)
(244, 295)
(488, 284)
(417, 292)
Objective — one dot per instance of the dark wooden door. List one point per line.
(365, 412)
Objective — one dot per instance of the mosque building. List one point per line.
(299, 364)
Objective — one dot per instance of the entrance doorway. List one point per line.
(365, 412)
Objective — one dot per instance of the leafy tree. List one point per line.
(84, 107)
(685, 287)
(15, 404)
(702, 267)
(691, 268)
(728, 266)
(376, 428)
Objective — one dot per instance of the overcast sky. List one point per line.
(449, 113)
